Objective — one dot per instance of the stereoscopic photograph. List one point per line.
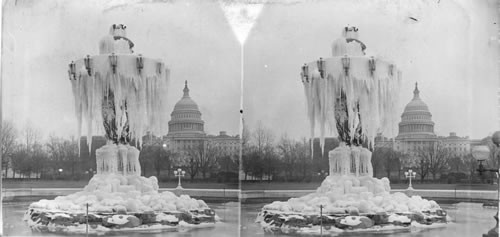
(250, 118)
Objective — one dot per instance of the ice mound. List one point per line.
(118, 193)
(351, 194)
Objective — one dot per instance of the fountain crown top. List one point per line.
(186, 89)
(348, 43)
(118, 30)
(350, 32)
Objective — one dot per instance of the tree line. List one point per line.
(25, 154)
(202, 161)
(264, 157)
(435, 163)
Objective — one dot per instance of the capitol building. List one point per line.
(186, 130)
(416, 132)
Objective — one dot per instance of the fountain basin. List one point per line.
(300, 223)
(350, 203)
(76, 222)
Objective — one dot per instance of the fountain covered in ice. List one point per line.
(125, 94)
(354, 96)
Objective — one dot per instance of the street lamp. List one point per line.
(409, 175)
(321, 220)
(60, 171)
(179, 173)
(322, 173)
(90, 172)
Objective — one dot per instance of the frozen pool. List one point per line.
(470, 219)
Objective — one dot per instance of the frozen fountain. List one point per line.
(125, 93)
(354, 96)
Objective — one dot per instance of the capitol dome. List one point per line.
(416, 120)
(186, 117)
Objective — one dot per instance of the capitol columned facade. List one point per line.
(416, 129)
(186, 130)
(416, 132)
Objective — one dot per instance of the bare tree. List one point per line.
(31, 136)
(20, 160)
(294, 156)
(192, 162)
(245, 138)
(205, 156)
(162, 161)
(386, 159)
(493, 159)
(28, 154)
(63, 153)
(288, 158)
(153, 154)
(302, 151)
(435, 158)
(7, 143)
(38, 160)
(246, 151)
(263, 138)
(470, 165)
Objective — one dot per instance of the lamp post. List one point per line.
(321, 220)
(179, 173)
(409, 175)
(90, 172)
(60, 172)
(322, 174)
(481, 153)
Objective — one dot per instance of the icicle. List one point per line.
(355, 160)
(369, 97)
(139, 100)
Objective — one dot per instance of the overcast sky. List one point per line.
(447, 50)
(191, 37)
